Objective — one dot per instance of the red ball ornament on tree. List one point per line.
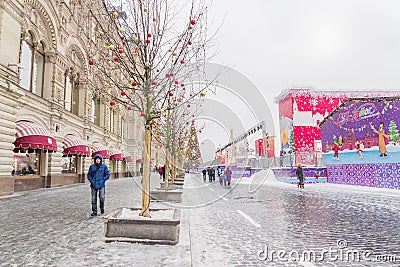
(123, 43)
(149, 35)
(134, 83)
(120, 51)
(91, 62)
(147, 41)
(112, 103)
(189, 43)
(200, 131)
(116, 59)
(122, 37)
(123, 93)
(171, 94)
(153, 83)
(182, 61)
(193, 22)
(188, 105)
(191, 95)
(176, 82)
(142, 114)
(158, 70)
(129, 108)
(182, 84)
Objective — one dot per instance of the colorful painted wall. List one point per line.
(382, 175)
(300, 112)
(362, 130)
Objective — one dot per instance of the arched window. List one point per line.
(68, 89)
(112, 117)
(32, 66)
(96, 110)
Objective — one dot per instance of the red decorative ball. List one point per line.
(123, 43)
(171, 74)
(153, 83)
(147, 41)
(176, 82)
(122, 37)
(129, 108)
(116, 59)
(134, 83)
(142, 114)
(183, 88)
(149, 35)
(193, 22)
(188, 105)
(182, 84)
(182, 61)
(190, 43)
(191, 95)
(121, 51)
(91, 62)
(200, 131)
(112, 103)
(123, 93)
(171, 94)
(158, 70)
(167, 75)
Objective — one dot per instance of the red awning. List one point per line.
(34, 136)
(115, 154)
(127, 157)
(74, 145)
(101, 150)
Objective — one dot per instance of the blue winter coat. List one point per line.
(98, 173)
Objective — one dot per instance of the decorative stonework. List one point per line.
(47, 19)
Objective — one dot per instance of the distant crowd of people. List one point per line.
(224, 175)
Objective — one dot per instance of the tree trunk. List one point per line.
(173, 170)
(146, 173)
(166, 171)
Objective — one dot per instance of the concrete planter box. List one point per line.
(161, 229)
(173, 195)
(177, 182)
(171, 186)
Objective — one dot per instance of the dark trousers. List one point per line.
(102, 196)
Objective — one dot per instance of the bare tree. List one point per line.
(146, 50)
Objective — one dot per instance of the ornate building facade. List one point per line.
(52, 118)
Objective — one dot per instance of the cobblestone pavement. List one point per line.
(220, 226)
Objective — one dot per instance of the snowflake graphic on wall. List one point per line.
(331, 101)
(313, 102)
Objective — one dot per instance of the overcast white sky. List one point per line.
(327, 44)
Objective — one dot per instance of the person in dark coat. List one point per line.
(98, 174)
(300, 176)
(228, 175)
(204, 174)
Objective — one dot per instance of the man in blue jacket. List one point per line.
(98, 175)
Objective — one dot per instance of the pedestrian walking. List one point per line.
(228, 173)
(300, 176)
(204, 171)
(98, 174)
(160, 172)
(212, 174)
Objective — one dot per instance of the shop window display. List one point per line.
(26, 163)
(69, 164)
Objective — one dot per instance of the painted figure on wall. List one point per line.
(381, 138)
(335, 148)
